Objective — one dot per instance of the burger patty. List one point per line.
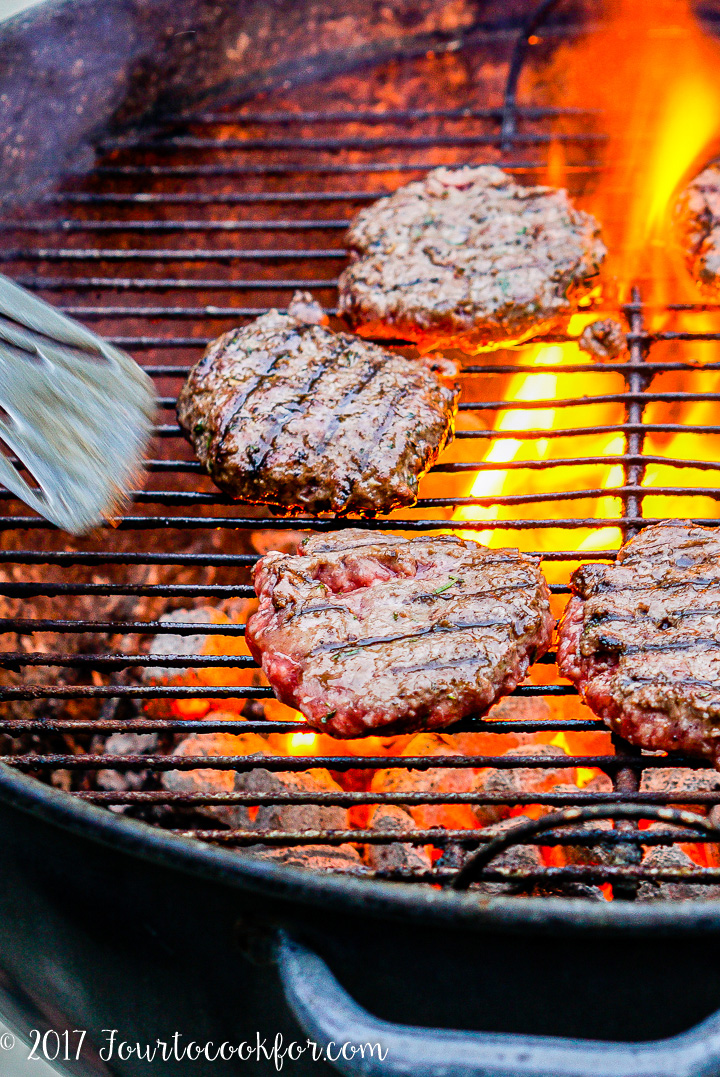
(467, 258)
(698, 217)
(641, 639)
(370, 632)
(286, 412)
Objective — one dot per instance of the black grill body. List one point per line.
(103, 927)
(110, 923)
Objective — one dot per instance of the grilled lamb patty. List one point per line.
(370, 632)
(698, 219)
(286, 412)
(467, 258)
(641, 639)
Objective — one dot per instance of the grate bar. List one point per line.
(208, 311)
(112, 691)
(316, 168)
(582, 431)
(439, 836)
(146, 523)
(72, 225)
(289, 764)
(627, 779)
(112, 557)
(363, 144)
(636, 398)
(180, 497)
(147, 590)
(357, 799)
(283, 117)
(51, 557)
(458, 467)
(162, 254)
(264, 727)
(144, 283)
(172, 430)
(18, 659)
(24, 626)
(518, 368)
(205, 198)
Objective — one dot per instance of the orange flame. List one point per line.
(583, 775)
(652, 70)
(539, 478)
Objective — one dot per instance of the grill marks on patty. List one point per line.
(641, 639)
(350, 631)
(288, 413)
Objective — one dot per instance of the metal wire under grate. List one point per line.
(245, 206)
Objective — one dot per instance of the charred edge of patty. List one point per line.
(648, 728)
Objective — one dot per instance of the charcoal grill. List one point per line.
(194, 220)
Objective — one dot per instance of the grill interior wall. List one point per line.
(179, 237)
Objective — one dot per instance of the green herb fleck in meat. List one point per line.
(447, 586)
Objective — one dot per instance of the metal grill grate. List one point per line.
(155, 249)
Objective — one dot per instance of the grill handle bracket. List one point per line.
(332, 1019)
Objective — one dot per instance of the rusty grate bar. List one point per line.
(145, 523)
(626, 780)
(361, 144)
(279, 763)
(350, 799)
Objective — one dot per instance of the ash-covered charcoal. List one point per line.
(332, 858)
(369, 632)
(698, 223)
(605, 339)
(197, 645)
(285, 412)
(670, 858)
(518, 781)
(641, 639)
(122, 781)
(193, 645)
(679, 780)
(568, 889)
(467, 258)
(400, 856)
(295, 817)
(441, 780)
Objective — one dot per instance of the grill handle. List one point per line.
(328, 1015)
